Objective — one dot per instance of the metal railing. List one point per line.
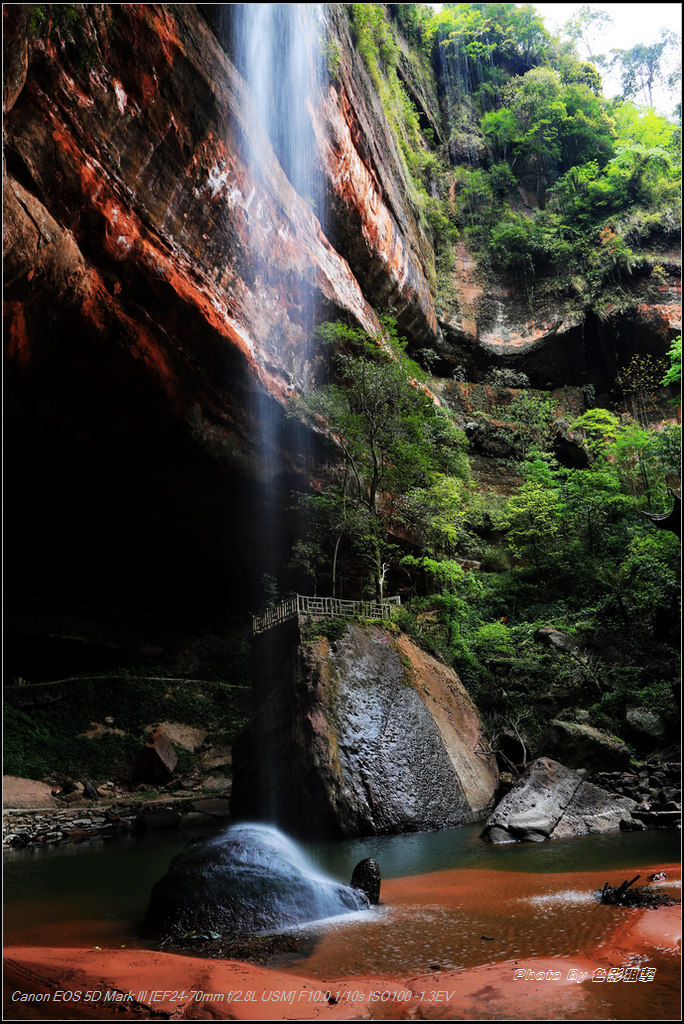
(323, 608)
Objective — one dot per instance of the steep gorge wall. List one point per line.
(157, 294)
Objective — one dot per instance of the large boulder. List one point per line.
(248, 879)
(583, 746)
(551, 801)
(367, 736)
(646, 726)
(157, 759)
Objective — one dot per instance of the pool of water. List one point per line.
(425, 852)
(111, 881)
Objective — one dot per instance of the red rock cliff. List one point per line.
(157, 291)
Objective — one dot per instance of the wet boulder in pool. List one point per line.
(248, 879)
(366, 877)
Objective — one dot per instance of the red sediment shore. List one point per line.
(613, 963)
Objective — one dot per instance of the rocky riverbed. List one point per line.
(27, 826)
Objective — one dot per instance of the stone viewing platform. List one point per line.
(300, 606)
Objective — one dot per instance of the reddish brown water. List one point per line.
(450, 940)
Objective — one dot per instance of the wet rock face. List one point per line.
(556, 342)
(369, 737)
(551, 801)
(246, 879)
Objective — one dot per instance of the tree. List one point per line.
(388, 437)
(535, 520)
(584, 26)
(644, 65)
(674, 372)
(640, 379)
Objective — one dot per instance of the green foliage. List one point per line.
(585, 561)
(535, 520)
(332, 629)
(600, 426)
(503, 377)
(390, 440)
(333, 57)
(673, 374)
(639, 380)
(48, 739)
(68, 24)
(532, 415)
(377, 46)
(570, 194)
(644, 65)
(492, 642)
(601, 180)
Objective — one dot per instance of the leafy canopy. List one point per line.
(390, 439)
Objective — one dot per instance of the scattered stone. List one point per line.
(215, 758)
(90, 790)
(67, 785)
(186, 736)
(553, 638)
(217, 784)
(645, 725)
(97, 730)
(71, 798)
(631, 825)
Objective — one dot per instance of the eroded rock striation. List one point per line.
(365, 736)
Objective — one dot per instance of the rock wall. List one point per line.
(158, 290)
(158, 294)
(365, 736)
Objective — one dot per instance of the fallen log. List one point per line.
(609, 894)
(624, 896)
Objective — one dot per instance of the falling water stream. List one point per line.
(97, 894)
(276, 48)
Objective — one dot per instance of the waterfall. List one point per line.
(276, 48)
(249, 879)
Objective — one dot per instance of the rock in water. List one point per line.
(366, 877)
(551, 801)
(247, 879)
